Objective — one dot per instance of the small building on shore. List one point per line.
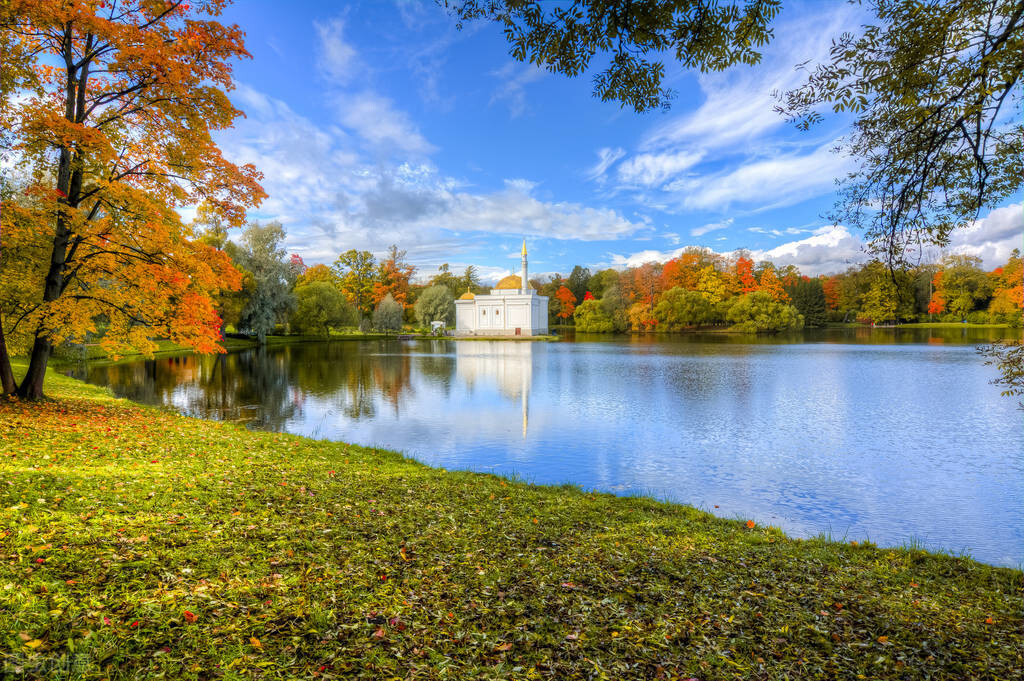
(511, 308)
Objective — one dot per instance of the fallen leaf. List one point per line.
(503, 647)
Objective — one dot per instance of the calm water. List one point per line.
(889, 435)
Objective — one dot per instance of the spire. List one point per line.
(524, 248)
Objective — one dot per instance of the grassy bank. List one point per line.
(135, 543)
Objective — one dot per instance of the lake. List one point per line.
(890, 435)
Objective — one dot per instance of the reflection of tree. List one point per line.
(356, 374)
(252, 385)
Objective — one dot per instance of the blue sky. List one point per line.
(377, 123)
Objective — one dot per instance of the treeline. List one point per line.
(280, 294)
(702, 288)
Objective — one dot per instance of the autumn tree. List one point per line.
(356, 273)
(710, 285)
(770, 284)
(114, 129)
(567, 302)
(393, 278)
(937, 302)
(745, 275)
(631, 39)
(830, 287)
(317, 273)
(1008, 290)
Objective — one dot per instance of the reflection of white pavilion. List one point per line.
(509, 366)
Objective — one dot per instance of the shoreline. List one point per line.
(158, 543)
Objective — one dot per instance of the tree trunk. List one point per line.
(31, 387)
(7, 384)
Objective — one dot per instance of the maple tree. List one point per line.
(745, 275)
(393, 278)
(113, 130)
(567, 302)
(937, 303)
(771, 285)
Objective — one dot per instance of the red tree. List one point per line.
(567, 300)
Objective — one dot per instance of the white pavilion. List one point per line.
(512, 308)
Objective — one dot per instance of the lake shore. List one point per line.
(141, 541)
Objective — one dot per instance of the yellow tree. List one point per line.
(114, 135)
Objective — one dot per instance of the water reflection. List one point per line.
(832, 431)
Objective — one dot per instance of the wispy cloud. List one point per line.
(514, 78)
(651, 170)
(771, 182)
(338, 61)
(376, 120)
(710, 227)
(606, 156)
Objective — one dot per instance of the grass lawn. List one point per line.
(135, 543)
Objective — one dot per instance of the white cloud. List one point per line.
(652, 170)
(375, 120)
(512, 90)
(778, 181)
(828, 250)
(710, 227)
(331, 197)
(993, 237)
(337, 59)
(738, 105)
(606, 156)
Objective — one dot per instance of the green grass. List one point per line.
(136, 543)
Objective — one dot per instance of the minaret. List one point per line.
(525, 282)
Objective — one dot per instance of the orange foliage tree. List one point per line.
(567, 302)
(771, 285)
(937, 304)
(114, 133)
(1008, 287)
(745, 275)
(393, 277)
(830, 285)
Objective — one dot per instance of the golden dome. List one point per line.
(512, 281)
(467, 296)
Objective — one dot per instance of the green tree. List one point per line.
(319, 307)
(590, 317)
(930, 84)
(679, 309)
(601, 281)
(261, 255)
(965, 284)
(759, 312)
(633, 37)
(471, 280)
(615, 306)
(808, 297)
(445, 277)
(387, 316)
(579, 281)
(436, 304)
